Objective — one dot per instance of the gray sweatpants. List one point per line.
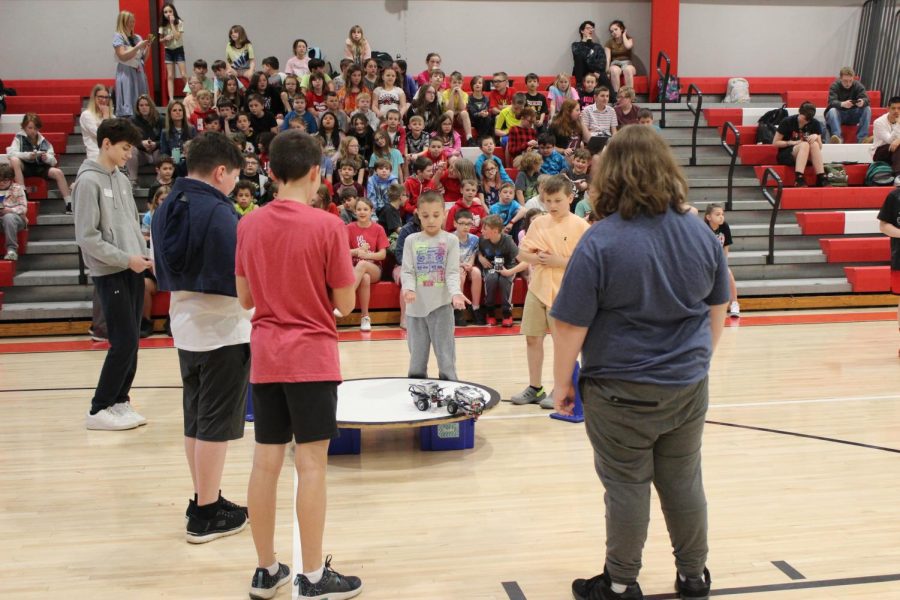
(434, 330)
(12, 225)
(493, 280)
(643, 434)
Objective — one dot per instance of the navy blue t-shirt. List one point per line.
(643, 288)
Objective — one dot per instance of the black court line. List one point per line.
(797, 585)
(513, 590)
(807, 436)
(67, 389)
(788, 570)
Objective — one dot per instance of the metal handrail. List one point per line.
(664, 78)
(692, 89)
(733, 152)
(775, 202)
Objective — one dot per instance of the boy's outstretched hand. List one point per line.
(459, 301)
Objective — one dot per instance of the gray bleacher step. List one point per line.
(782, 242)
(762, 229)
(736, 205)
(758, 257)
(32, 311)
(52, 247)
(708, 182)
(138, 192)
(47, 277)
(49, 293)
(75, 148)
(790, 287)
(62, 219)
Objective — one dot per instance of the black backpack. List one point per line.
(383, 59)
(768, 125)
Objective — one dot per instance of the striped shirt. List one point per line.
(599, 122)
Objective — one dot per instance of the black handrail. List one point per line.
(692, 89)
(733, 152)
(775, 202)
(664, 79)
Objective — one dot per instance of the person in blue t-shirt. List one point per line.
(643, 300)
(509, 210)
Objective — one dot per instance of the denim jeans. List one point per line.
(835, 117)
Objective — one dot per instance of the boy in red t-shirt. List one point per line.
(469, 190)
(501, 94)
(296, 366)
(424, 177)
(368, 247)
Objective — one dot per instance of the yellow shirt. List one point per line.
(558, 238)
(243, 211)
(445, 101)
(506, 119)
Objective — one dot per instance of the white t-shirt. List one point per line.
(205, 322)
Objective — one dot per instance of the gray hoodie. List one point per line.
(107, 226)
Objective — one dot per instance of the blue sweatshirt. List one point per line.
(194, 240)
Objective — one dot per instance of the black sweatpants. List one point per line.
(122, 300)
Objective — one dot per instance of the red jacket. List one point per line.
(479, 212)
(414, 189)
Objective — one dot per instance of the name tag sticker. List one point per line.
(108, 193)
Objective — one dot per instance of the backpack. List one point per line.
(383, 59)
(672, 91)
(737, 90)
(768, 125)
(836, 175)
(879, 173)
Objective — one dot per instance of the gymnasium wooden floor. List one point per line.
(802, 470)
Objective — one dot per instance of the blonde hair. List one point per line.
(362, 37)
(847, 71)
(465, 168)
(628, 92)
(92, 101)
(638, 176)
(121, 21)
(530, 160)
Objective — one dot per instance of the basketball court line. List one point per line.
(513, 590)
(805, 435)
(788, 570)
(393, 334)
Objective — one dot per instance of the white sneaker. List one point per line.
(126, 410)
(12, 255)
(109, 420)
(734, 309)
(896, 184)
(338, 314)
(365, 324)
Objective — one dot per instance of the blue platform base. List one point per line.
(449, 436)
(349, 441)
(578, 410)
(249, 414)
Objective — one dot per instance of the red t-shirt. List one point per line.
(317, 103)
(373, 235)
(291, 255)
(414, 189)
(479, 212)
(451, 187)
(498, 100)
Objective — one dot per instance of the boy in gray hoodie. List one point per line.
(107, 229)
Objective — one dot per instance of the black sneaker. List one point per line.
(478, 316)
(600, 588)
(223, 502)
(693, 588)
(265, 586)
(459, 318)
(200, 531)
(68, 208)
(332, 586)
(146, 328)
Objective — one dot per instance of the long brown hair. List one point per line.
(638, 175)
(563, 121)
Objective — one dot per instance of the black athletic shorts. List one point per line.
(786, 156)
(215, 392)
(308, 411)
(35, 169)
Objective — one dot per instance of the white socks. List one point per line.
(315, 576)
(273, 568)
(618, 588)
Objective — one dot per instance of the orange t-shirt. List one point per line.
(556, 237)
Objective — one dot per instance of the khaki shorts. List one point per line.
(535, 316)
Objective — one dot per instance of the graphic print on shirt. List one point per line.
(430, 260)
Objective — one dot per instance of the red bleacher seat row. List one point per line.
(57, 140)
(833, 198)
(843, 250)
(856, 174)
(838, 222)
(52, 123)
(820, 97)
(869, 279)
(44, 104)
(748, 133)
(758, 85)
(56, 87)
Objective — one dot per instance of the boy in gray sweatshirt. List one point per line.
(430, 281)
(107, 229)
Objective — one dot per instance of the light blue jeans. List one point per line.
(835, 117)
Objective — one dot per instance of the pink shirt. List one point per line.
(291, 255)
(373, 235)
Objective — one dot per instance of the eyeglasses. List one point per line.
(499, 81)
(103, 97)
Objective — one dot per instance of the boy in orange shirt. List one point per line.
(547, 246)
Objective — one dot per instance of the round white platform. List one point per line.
(386, 402)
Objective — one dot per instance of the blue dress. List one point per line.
(130, 79)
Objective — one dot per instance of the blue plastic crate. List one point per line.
(349, 441)
(459, 435)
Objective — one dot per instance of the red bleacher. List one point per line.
(821, 223)
(820, 98)
(56, 123)
(36, 188)
(44, 104)
(56, 87)
(57, 140)
(31, 214)
(22, 237)
(869, 279)
(7, 271)
(856, 174)
(748, 133)
(869, 249)
(833, 198)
